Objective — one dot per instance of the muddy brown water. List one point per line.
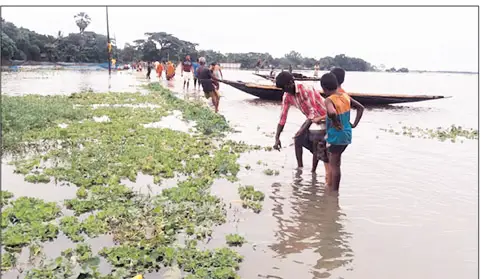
(407, 207)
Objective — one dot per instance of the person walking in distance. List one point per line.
(149, 69)
(186, 71)
(195, 67)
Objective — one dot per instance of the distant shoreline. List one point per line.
(8, 64)
(445, 72)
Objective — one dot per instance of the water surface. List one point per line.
(407, 208)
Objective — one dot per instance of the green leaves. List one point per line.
(97, 157)
(251, 198)
(453, 133)
(234, 240)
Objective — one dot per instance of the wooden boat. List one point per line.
(273, 93)
(299, 77)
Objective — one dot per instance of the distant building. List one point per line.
(230, 65)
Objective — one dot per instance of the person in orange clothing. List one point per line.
(159, 68)
(170, 71)
(339, 127)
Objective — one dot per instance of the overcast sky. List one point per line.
(432, 38)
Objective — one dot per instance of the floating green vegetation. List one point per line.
(207, 122)
(73, 263)
(452, 133)
(271, 172)
(9, 261)
(37, 178)
(96, 156)
(235, 240)
(72, 228)
(5, 196)
(251, 198)
(216, 264)
(32, 113)
(26, 220)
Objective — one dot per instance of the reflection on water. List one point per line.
(316, 224)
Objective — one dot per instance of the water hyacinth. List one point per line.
(251, 198)
(453, 133)
(96, 156)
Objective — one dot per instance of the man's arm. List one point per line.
(211, 76)
(359, 111)
(304, 127)
(282, 121)
(181, 69)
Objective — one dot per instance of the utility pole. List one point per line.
(109, 46)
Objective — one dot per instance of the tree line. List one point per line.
(90, 47)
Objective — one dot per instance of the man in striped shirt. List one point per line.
(311, 104)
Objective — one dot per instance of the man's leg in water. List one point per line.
(299, 143)
(217, 99)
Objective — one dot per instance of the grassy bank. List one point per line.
(95, 157)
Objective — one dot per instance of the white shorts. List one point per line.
(187, 76)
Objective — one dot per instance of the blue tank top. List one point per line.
(195, 65)
(342, 102)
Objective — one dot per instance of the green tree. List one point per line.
(8, 47)
(82, 20)
(85, 46)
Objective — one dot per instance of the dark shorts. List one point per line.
(308, 140)
(336, 148)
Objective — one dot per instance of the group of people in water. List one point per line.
(327, 131)
(160, 67)
(202, 75)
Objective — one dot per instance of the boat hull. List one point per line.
(297, 77)
(272, 93)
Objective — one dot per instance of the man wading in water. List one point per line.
(339, 127)
(311, 104)
(186, 71)
(206, 79)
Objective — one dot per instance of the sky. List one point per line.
(419, 38)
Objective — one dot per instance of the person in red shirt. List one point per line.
(186, 71)
(311, 104)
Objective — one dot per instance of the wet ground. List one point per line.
(407, 207)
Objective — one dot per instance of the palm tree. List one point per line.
(82, 20)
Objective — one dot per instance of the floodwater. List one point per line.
(407, 207)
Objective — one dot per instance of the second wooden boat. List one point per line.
(299, 77)
(273, 93)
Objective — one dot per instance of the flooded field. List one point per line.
(407, 207)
